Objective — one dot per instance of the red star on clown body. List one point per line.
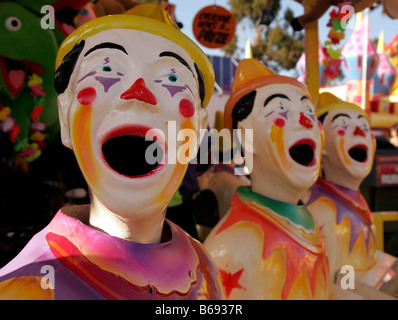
(230, 281)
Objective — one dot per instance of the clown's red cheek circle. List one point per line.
(187, 109)
(341, 133)
(87, 96)
(280, 122)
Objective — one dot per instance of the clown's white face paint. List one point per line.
(349, 148)
(125, 83)
(287, 142)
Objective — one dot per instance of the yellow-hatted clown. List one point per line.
(120, 77)
(335, 200)
(268, 246)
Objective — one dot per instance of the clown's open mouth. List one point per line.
(303, 152)
(14, 73)
(130, 154)
(359, 153)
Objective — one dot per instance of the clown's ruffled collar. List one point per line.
(143, 265)
(352, 198)
(296, 214)
(293, 220)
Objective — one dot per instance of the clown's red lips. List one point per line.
(124, 150)
(359, 152)
(303, 152)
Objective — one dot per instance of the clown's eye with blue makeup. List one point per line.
(106, 69)
(172, 78)
(364, 126)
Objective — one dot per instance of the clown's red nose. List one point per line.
(140, 92)
(305, 121)
(359, 132)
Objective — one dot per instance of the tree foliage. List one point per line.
(252, 8)
(276, 45)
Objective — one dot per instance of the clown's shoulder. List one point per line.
(34, 252)
(22, 277)
(35, 273)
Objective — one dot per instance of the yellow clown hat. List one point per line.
(150, 18)
(251, 75)
(328, 101)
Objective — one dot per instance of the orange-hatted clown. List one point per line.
(335, 200)
(120, 77)
(268, 245)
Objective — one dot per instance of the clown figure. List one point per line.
(335, 200)
(268, 245)
(123, 81)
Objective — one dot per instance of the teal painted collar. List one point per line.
(297, 214)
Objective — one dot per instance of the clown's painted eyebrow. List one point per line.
(274, 96)
(304, 98)
(176, 56)
(340, 115)
(109, 45)
(360, 116)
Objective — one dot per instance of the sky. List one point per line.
(187, 9)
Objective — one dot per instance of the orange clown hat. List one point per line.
(250, 75)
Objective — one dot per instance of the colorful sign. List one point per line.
(387, 175)
(387, 170)
(214, 27)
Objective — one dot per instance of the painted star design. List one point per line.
(231, 281)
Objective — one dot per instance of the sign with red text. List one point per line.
(214, 27)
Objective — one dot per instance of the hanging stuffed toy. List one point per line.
(332, 61)
(320, 8)
(106, 7)
(390, 8)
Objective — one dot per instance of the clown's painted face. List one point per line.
(349, 144)
(125, 83)
(287, 136)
